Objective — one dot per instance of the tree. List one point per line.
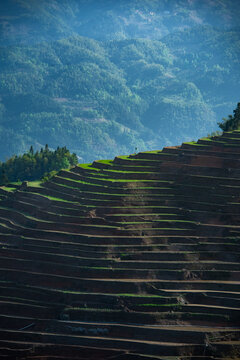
(3, 178)
(232, 122)
(33, 165)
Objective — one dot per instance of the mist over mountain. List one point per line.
(106, 77)
(32, 22)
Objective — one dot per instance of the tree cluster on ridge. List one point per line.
(35, 165)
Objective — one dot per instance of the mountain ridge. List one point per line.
(104, 99)
(107, 20)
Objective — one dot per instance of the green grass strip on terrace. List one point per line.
(99, 174)
(230, 145)
(86, 183)
(193, 143)
(26, 214)
(40, 220)
(88, 167)
(160, 305)
(5, 226)
(124, 157)
(115, 194)
(139, 215)
(58, 199)
(107, 162)
(142, 295)
(134, 156)
(68, 187)
(161, 220)
(78, 181)
(37, 184)
(231, 138)
(221, 141)
(116, 181)
(100, 226)
(128, 194)
(127, 166)
(207, 139)
(157, 161)
(27, 300)
(91, 309)
(67, 291)
(213, 177)
(159, 152)
(145, 206)
(126, 180)
(8, 189)
(129, 171)
(153, 229)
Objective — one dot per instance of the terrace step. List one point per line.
(142, 332)
(114, 273)
(115, 259)
(143, 346)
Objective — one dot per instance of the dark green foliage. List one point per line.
(35, 165)
(232, 122)
(3, 177)
(48, 176)
(141, 81)
(107, 99)
(22, 103)
(36, 21)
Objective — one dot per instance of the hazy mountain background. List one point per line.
(104, 77)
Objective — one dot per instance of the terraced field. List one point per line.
(131, 259)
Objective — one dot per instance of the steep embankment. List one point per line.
(127, 258)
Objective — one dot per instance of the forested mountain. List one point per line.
(107, 77)
(24, 21)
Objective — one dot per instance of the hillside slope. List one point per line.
(126, 259)
(107, 77)
(105, 99)
(22, 22)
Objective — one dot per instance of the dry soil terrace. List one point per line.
(135, 258)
